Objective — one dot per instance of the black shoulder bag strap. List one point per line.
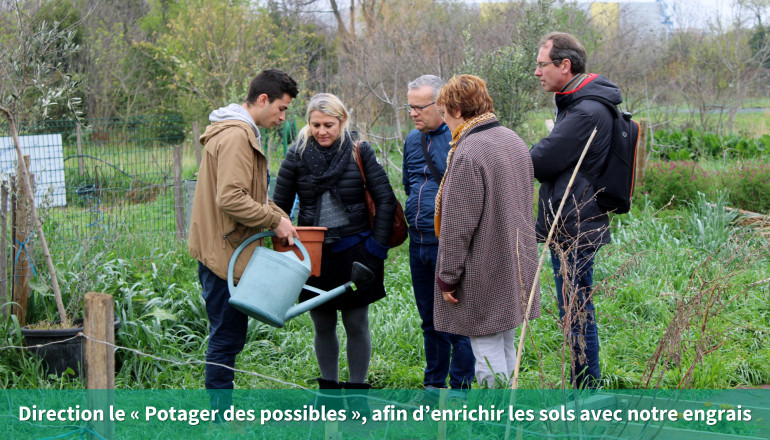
(616, 115)
(433, 170)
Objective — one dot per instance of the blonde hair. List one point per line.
(329, 105)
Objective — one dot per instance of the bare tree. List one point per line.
(390, 45)
(508, 69)
(743, 63)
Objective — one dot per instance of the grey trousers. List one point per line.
(495, 357)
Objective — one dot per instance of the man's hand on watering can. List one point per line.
(285, 232)
(449, 297)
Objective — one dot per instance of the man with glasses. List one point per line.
(582, 227)
(425, 155)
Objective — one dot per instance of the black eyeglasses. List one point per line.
(542, 64)
(417, 108)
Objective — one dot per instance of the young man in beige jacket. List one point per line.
(231, 204)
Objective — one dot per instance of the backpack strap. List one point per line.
(433, 170)
(616, 115)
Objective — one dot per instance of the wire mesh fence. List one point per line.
(101, 180)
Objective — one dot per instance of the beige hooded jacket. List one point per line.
(231, 201)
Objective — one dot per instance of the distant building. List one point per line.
(648, 17)
(651, 18)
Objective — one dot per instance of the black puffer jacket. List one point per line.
(555, 156)
(292, 179)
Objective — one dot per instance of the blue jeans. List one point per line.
(587, 371)
(445, 353)
(227, 332)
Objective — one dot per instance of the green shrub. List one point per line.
(748, 185)
(681, 180)
(692, 145)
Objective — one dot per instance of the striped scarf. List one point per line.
(574, 83)
(457, 134)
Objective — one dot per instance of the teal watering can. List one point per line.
(272, 282)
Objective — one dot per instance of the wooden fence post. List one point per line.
(22, 249)
(641, 153)
(99, 358)
(79, 135)
(181, 230)
(5, 297)
(196, 143)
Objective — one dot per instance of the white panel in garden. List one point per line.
(47, 164)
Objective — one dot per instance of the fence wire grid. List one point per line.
(101, 181)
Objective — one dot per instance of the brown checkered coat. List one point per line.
(487, 249)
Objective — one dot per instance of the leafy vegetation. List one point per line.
(659, 268)
(686, 285)
(693, 145)
(747, 183)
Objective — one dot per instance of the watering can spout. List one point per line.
(360, 274)
(272, 281)
(323, 296)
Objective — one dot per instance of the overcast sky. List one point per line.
(695, 12)
(684, 12)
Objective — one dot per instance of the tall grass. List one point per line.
(681, 301)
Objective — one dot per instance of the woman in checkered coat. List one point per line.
(487, 255)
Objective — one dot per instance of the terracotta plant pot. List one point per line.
(312, 237)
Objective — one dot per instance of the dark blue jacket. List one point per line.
(555, 156)
(419, 184)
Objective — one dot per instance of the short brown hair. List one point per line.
(466, 93)
(566, 47)
(272, 82)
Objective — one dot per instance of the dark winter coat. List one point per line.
(335, 267)
(554, 159)
(419, 183)
(292, 179)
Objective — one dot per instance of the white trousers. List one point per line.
(495, 356)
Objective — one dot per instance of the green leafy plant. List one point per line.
(692, 145)
(508, 70)
(748, 185)
(672, 181)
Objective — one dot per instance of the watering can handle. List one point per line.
(239, 249)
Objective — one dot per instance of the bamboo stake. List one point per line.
(43, 243)
(79, 136)
(515, 383)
